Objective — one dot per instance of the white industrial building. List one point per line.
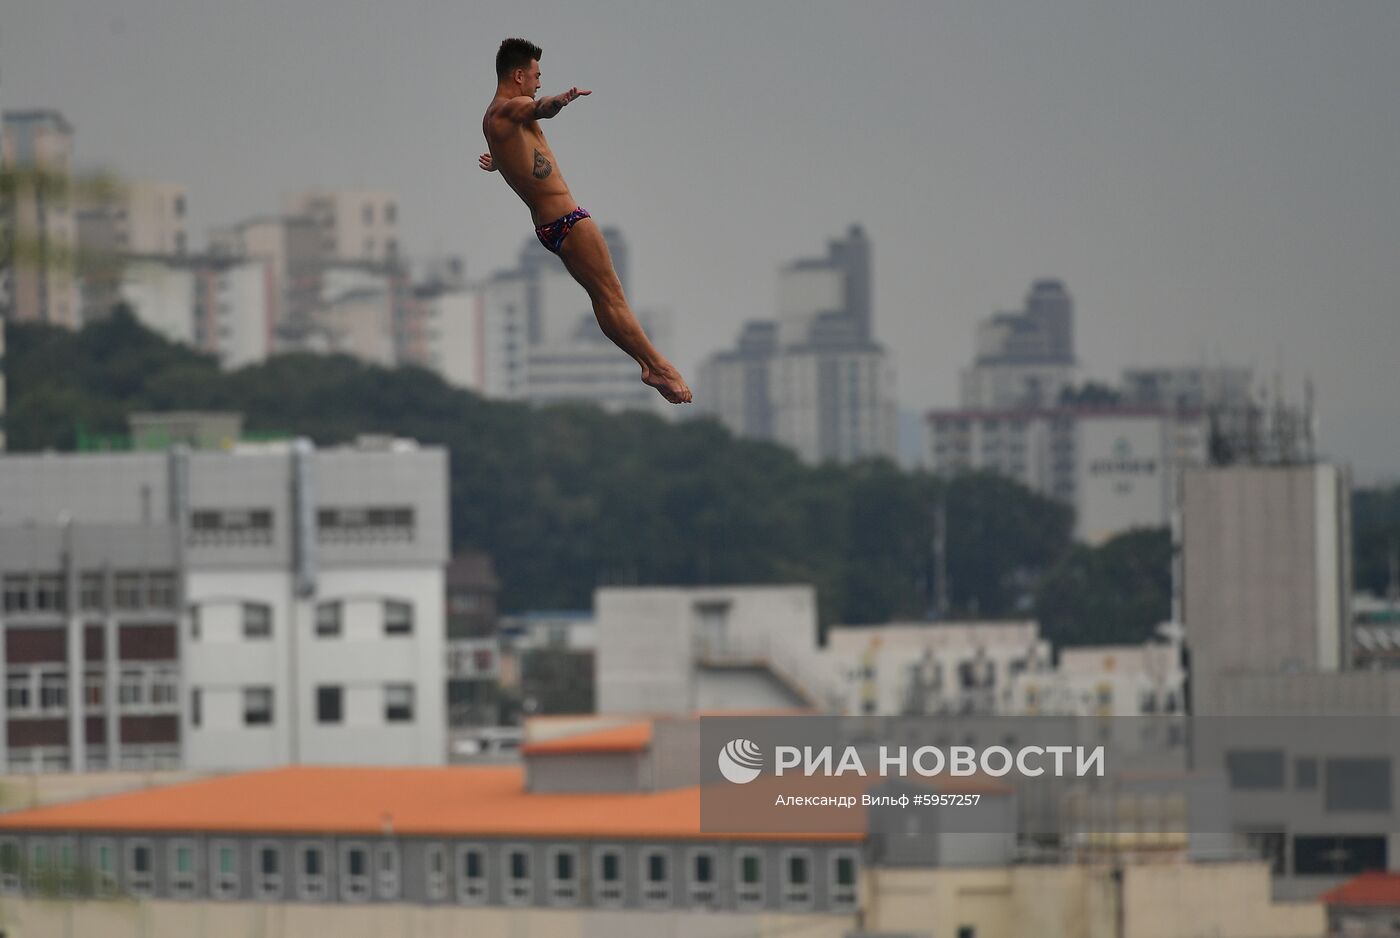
(310, 593)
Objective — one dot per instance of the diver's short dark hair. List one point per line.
(515, 53)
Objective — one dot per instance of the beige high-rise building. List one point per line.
(39, 282)
(118, 221)
(354, 226)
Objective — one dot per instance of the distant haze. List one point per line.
(1214, 182)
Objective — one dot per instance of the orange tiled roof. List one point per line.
(1377, 889)
(631, 737)
(458, 801)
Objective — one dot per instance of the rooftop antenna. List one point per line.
(1392, 590)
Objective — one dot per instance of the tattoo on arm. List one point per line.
(542, 166)
(548, 107)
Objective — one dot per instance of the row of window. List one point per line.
(367, 871)
(1348, 784)
(44, 691)
(258, 709)
(330, 616)
(254, 526)
(131, 589)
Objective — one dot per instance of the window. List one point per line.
(196, 707)
(39, 863)
(1357, 785)
(1338, 856)
(387, 870)
(53, 690)
(563, 875)
(967, 931)
(327, 619)
(257, 620)
(1255, 768)
(18, 694)
(126, 592)
(50, 595)
(132, 690)
(223, 869)
(311, 871)
(435, 862)
(656, 885)
(471, 874)
(607, 876)
(195, 624)
(797, 877)
(328, 704)
(90, 591)
(257, 706)
(267, 870)
(391, 212)
(160, 591)
(65, 855)
(104, 867)
(354, 872)
(231, 527)
(748, 888)
(702, 876)
(182, 871)
(9, 865)
(518, 886)
(843, 889)
(140, 867)
(367, 213)
(398, 618)
(17, 593)
(165, 687)
(398, 703)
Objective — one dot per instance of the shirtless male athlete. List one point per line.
(518, 149)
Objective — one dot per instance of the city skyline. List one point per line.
(1222, 173)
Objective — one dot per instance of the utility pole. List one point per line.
(940, 556)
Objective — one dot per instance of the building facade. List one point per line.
(813, 379)
(306, 622)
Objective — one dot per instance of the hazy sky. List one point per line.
(1214, 181)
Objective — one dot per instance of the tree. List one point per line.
(1116, 593)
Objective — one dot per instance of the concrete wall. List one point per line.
(39, 919)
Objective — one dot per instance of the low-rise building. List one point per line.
(597, 830)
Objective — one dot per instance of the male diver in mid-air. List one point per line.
(517, 149)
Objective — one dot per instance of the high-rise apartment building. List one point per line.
(37, 217)
(354, 226)
(1024, 359)
(812, 379)
(117, 220)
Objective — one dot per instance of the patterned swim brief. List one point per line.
(553, 234)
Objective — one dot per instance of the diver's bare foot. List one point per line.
(666, 379)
